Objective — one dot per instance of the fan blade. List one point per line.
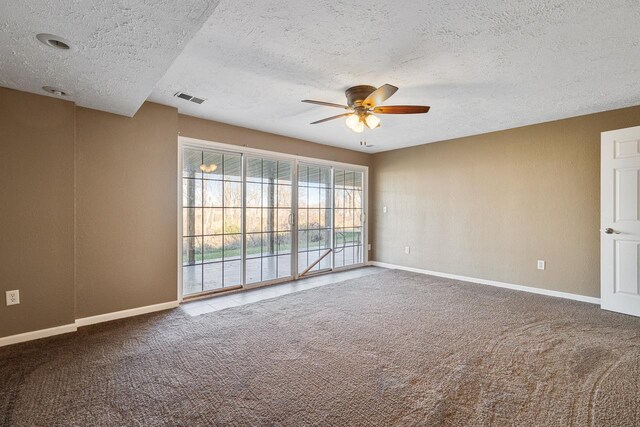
(379, 95)
(326, 104)
(331, 118)
(402, 109)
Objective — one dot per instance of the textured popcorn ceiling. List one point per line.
(481, 65)
(123, 47)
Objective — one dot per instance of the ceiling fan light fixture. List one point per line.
(372, 121)
(352, 121)
(358, 128)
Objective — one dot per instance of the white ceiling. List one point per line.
(123, 47)
(481, 66)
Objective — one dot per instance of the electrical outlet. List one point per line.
(407, 250)
(384, 209)
(13, 297)
(369, 246)
(541, 264)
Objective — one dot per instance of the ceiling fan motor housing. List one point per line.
(357, 94)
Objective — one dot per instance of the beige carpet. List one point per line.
(394, 348)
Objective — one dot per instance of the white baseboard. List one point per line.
(529, 289)
(35, 335)
(85, 321)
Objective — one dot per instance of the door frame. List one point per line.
(188, 142)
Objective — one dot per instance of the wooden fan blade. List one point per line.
(402, 109)
(379, 95)
(326, 104)
(331, 118)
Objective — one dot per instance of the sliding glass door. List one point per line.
(211, 221)
(269, 219)
(314, 218)
(349, 217)
(250, 219)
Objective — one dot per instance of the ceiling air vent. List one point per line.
(189, 97)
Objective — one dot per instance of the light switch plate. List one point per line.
(13, 297)
(407, 250)
(541, 264)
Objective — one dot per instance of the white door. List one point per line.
(620, 221)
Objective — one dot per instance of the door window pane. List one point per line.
(191, 279)
(269, 244)
(232, 167)
(269, 268)
(212, 221)
(268, 219)
(212, 249)
(232, 248)
(254, 195)
(232, 194)
(254, 170)
(191, 161)
(269, 170)
(212, 193)
(254, 245)
(191, 250)
(191, 221)
(253, 217)
(212, 276)
(284, 196)
(283, 217)
(284, 172)
(254, 270)
(232, 220)
(232, 273)
(284, 266)
(191, 192)
(211, 167)
(283, 241)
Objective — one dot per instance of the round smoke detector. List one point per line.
(55, 91)
(55, 42)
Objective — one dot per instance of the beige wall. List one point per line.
(36, 213)
(126, 204)
(219, 132)
(489, 206)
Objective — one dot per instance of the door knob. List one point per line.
(611, 231)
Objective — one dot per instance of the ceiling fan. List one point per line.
(362, 105)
